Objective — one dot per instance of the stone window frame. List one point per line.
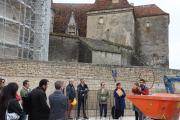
(100, 22)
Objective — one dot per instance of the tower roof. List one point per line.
(108, 4)
(148, 10)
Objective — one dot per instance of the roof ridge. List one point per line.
(74, 3)
(146, 5)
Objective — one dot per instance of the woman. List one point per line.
(103, 95)
(9, 103)
(119, 96)
(136, 91)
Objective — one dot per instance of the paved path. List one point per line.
(97, 118)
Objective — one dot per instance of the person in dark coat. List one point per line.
(82, 90)
(71, 93)
(58, 103)
(2, 83)
(119, 96)
(38, 100)
(8, 102)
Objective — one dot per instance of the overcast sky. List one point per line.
(170, 6)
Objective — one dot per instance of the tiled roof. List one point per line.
(148, 10)
(63, 13)
(107, 4)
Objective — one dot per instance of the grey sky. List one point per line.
(170, 6)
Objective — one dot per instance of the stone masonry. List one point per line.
(93, 75)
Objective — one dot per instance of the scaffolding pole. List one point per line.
(24, 26)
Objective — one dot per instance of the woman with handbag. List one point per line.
(119, 96)
(10, 108)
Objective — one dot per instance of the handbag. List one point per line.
(11, 116)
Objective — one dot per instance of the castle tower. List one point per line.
(112, 20)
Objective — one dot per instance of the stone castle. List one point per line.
(110, 32)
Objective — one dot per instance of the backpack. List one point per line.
(27, 103)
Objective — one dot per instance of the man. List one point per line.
(144, 91)
(58, 103)
(82, 90)
(143, 88)
(119, 96)
(2, 83)
(71, 93)
(39, 107)
(24, 95)
(103, 95)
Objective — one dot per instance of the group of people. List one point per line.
(35, 107)
(139, 89)
(34, 102)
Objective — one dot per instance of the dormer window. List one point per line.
(72, 28)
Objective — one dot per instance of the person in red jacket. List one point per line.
(136, 90)
(144, 91)
(18, 97)
(143, 88)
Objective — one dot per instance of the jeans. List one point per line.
(141, 116)
(103, 107)
(81, 101)
(137, 115)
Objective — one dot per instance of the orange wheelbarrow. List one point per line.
(161, 106)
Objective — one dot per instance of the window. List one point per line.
(101, 21)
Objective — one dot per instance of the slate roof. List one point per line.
(105, 46)
(97, 45)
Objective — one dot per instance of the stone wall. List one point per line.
(69, 48)
(93, 74)
(99, 57)
(85, 53)
(152, 40)
(63, 48)
(114, 25)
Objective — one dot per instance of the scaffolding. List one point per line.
(24, 29)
